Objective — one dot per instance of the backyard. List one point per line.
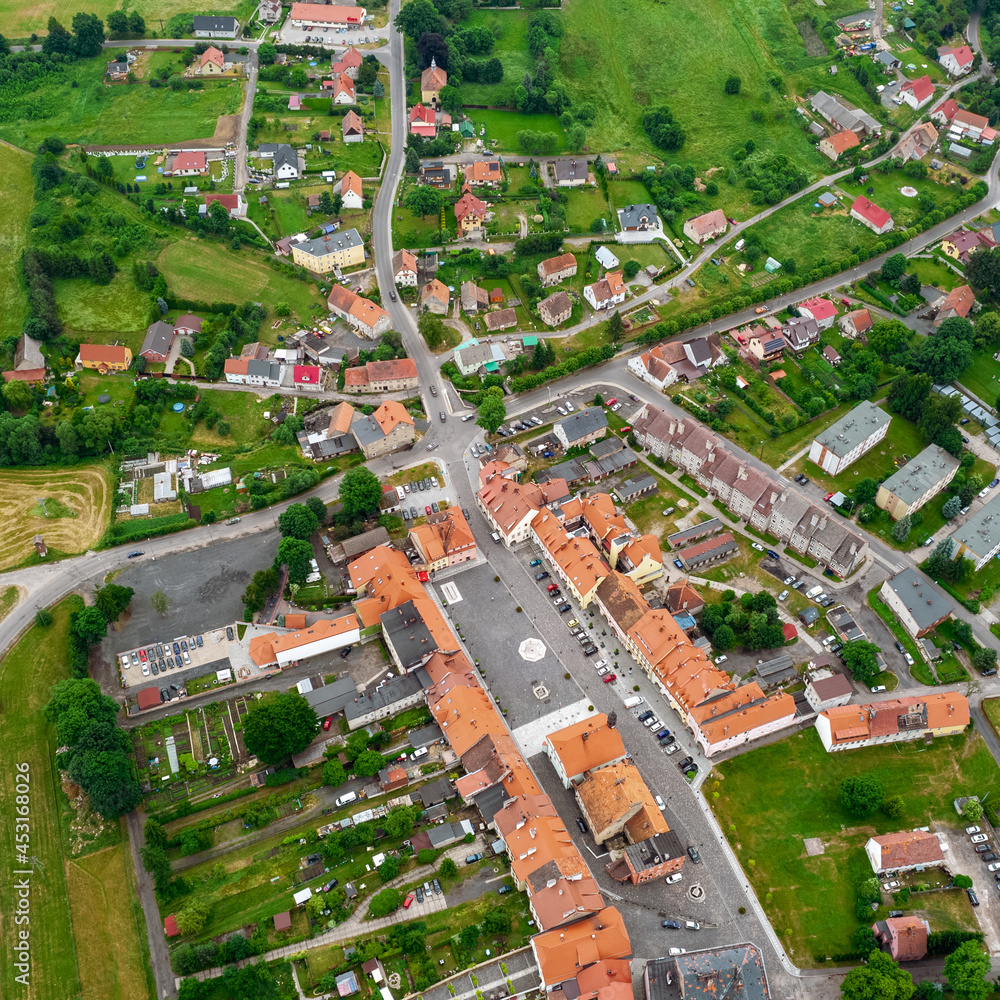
(772, 798)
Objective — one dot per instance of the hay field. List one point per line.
(16, 201)
(110, 939)
(85, 491)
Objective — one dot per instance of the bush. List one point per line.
(384, 903)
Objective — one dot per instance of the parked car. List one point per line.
(973, 898)
(580, 823)
(983, 848)
(671, 879)
(684, 763)
(652, 723)
(408, 902)
(473, 858)
(980, 838)
(543, 575)
(757, 546)
(504, 889)
(563, 608)
(608, 678)
(589, 650)
(572, 623)
(333, 883)
(135, 554)
(535, 562)
(782, 595)
(720, 659)
(645, 715)
(327, 722)
(673, 925)
(789, 581)
(346, 652)
(678, 564)
(694, 855)
(988, 856)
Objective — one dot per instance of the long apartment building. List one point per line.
(845, 441)
(923, 477)
(898, 720)
(979, 538)
(748, 492)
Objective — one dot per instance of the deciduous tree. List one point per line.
(861, 794)
(966, 969)
(296, 554)
(360, 493)
(492, 411)
(279, 726)
(297, 521)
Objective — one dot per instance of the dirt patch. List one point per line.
(86, 825)
(813, 44)
(82, 493)
(227, 129)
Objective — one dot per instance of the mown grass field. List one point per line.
(504, 126)
(95, 114)
(771, 798)
(108, 926)
(36, 663)
(198, 269)
(18, 19)
(84, 490)
(16, 201)
(118, 308)
(708, 41)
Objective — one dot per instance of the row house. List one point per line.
(748, 491)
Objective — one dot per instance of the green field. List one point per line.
(510, 28)
(585, 204)
(199, 269)
(21, 19)
(504, 126)
(771, 798)
(932, 271)
(95, 114)
(982, 377)
(36, 663)
(118, 308)
(16, 202)
(904, 211)
(707, 41)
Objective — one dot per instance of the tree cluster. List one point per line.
(278, 726)
(749, 622)
(98, 758)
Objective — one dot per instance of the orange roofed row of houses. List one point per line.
(582, 943)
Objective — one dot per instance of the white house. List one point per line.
(916, 93)
(215, 27)
(286, 159)
(404, 268)
(606, 258)
(957, 61)
(652, 367)
(606, 293)
(250, 371)
(349, 188)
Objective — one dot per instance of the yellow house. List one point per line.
(432, 81)
(103, 358)
(345, 249)
(213, 62)
(469, 213)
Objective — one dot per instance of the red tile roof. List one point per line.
(922, 88)
(870, 211)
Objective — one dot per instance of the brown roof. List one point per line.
(843, 140)
(433, 78)
(103, 354)
(613, 793)
(352, 123)
(907, 937)
(501, 319)
(588, 744)
(566, 901)
(403, 260)
(709, 222)
(556, 304)
(340, 419)
(282, 921)
(436, 289)
(469, 204)
(914, 847)
(379, 371)
(622, 599)
(681, 596)
(832, 687)
(555, 264)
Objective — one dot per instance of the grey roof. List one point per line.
(366, 429)
(409, 636)
(235, 57)
(632, 487)
(474, 354)
(333, 697)
(571, 470)
(28, 354)
(708, 550)
(322, 245)
(264, 369)
(569, 170)
(852, 428)
(425, 736)
(606, 446)
(434, 792)
(213, 23)
(158, 337)
(395, 690)
(444, 835)
(887, 59)
(809, 615)
(925, 601)
(775, 666)
(365, 542)
(583, 423)
(801, 329)
(731, 971)
(490, 801)
(283, 153)
(695, 531)
(846, 118)
(920, 474)
(654, 851)
(118, 66)
(634, 215)
(700, 350)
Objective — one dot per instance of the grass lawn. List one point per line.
(982, 377)
(16, 202)
(364, 158)
(510, 28)
(94, 113)
(36, 663)
(583, 205)
(409, 230)
(118, 308)
(780, 449)
(622, 193)
(774, 796)
(904, 211)
(933, 272)
(752, 35)
(112, 953)
(202, 269)
(504, 126)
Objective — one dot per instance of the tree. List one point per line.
(616, 326)
(894, 267)
(378, 89)
(866, 490)
(966, 969)
(279, 726)
(423, 200)
(451, 99)
(158, 602)
(724, 638)
(43, 618)
(18, 396)
(318, 508)
(983, 658)
(194, 916)
(972, 809)
(952, 506)
(861, 794)
(880, 979)
(861, 658)
(334, 773)
(297, 521)
(296, 554)
(732, 85)
(469, 937)
(496, 922)
(90, 625)
(360, 492)
(113, 599)
(389, 869)
(448, 868)
(893, 806)
(901, 528)
(630, 269)
(492, 411)
(386, 901)
(661, 127)
(368, 764)
(117, 22)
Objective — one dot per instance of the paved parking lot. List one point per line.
(333, 38)
(964, 860)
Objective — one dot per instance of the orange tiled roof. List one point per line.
(534, 833)
(384, 371)
(350, 182)
(741, 711)
(914, 847)
(553, 265)
(430, 538)
(262, 649)
(610, 979)
(465, 715)
(357, 375)
(576, 557)
(469, 204)
(565, 952)
(390, 414)
(587, 744)
(611, 793)
(340, 418)
(325, 628)
(510, 502)
(366, 310)
(103, 354)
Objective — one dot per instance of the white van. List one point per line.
(400, 492)
(633, 701)
(814, 592)
(346, 799)
(417, 754)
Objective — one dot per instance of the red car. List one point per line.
(552, 586)
(427, 509)
(327, 722)
(142, 655)
(828, 496)
(611, 401)
(846, 302)
(408, 901)
(609, 678)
